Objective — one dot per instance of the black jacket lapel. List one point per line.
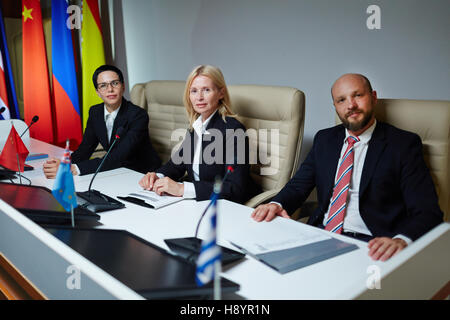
(376, 146)
(121, 119)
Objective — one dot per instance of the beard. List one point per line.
(356, 125)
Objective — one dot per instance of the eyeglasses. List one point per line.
(104, 85)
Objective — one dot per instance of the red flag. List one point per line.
(36, 87)
(14, 150)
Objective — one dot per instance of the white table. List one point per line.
(341, 277)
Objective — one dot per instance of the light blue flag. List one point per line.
(63, 188)
(210, 251)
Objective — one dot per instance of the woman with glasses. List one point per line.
(133, 150)
(215, 141)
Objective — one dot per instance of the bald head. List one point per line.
(352, 77)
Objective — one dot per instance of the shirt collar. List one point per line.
(199, 126)
(113, 114)
(366, 135)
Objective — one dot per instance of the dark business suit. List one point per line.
(238, 187)
(397, 194)
(134, 149)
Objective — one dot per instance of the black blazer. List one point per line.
(397, 194)
(239, 186)
(134, 149)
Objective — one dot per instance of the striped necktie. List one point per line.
(338, 205)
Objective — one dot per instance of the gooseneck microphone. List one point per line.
(95, 201)
(189, 248)
(33, 121)
(116, 138)
(229, 170)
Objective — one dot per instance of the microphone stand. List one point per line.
(94, 200)
(18, 165)
(229, 169)
(189, 248)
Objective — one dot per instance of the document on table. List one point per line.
(287, 245)
(262, 237)
(150, 199)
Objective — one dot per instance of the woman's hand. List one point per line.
(148, 181)
(168, 186)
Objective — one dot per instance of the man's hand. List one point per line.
(167, 185)
(148, 180)
(268, 212)
(384, 248)
(51, 168)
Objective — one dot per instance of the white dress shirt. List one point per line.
(200, 129)
(352, 220)
(110, 117)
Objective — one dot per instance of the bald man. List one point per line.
(371, 178)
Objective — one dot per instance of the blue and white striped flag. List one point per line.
(210, 252)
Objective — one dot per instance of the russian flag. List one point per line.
(65, 89)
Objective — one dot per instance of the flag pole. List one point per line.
(18, 165)
(218, 262)
(217, 285)
(71, 212)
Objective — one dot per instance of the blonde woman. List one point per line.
(215, 141)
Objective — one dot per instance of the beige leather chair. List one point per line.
(278, 110)
(163, 101)
(430, 119)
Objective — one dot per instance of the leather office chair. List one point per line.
(277, 114)
(279, 110)
(163, 101)
(430, 119)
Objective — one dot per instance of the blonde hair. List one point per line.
(216, 76)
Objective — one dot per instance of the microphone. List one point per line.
(33, 121)
(189, 248)
(116, 138)
(94, 200)
(229, 170)
(2, 109)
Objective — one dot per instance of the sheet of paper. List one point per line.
(154, 199)
(275, 235)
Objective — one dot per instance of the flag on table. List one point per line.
(7, 88)
(92, 53)
(210, 252)
(36, 86)
(63, 188)
(14, 152)
(65, 89)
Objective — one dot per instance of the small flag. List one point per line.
(63, 188)
(14, 152)
(210, 252)
(10, 98)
